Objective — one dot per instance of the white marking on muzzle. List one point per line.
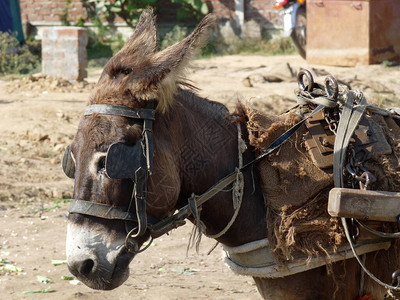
(87, 243)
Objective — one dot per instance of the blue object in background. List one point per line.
(10, 19)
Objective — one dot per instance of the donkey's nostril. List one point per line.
(86, 267)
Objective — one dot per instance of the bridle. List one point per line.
(136, 163)
(123, 162)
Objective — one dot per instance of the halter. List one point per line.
(136, 163)
(123, 162)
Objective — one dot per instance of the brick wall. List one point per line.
(64, 52)
(224, 9)
(262, 12)
(48, 12)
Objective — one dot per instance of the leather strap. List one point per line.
(283, 138)
(390, 235)
(100, 210)
(139, 198)
(104, 211)
(149, 144)
(349, 120)
(123, 111)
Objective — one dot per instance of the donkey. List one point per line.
(182, 148)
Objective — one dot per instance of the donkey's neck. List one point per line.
(209, 152)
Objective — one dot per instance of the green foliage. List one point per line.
(276, 46)
(128, 10)
(64, 13)
(14, 58)
(48, 290)
(391, 63)
(191, 8)
(219, 46)
(35, 47)
(117, 43)
(175, 35)
(105, 43)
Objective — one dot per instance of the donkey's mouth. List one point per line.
(107, 277)
(121, 271)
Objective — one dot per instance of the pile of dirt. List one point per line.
(45, 84)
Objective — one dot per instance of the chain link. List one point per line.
(358, 175)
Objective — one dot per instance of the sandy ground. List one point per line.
(39, 117)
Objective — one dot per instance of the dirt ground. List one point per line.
(39, 117)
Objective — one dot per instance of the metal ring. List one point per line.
(395, 278)
(331, 87)
(300, 75)
(132, 247)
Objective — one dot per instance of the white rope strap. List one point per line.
(247, 247)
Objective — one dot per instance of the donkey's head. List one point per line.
(132, 80)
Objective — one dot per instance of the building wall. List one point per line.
(49, 11)
(259, 13)
(224, 9)
(262, 12)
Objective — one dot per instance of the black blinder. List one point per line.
(122, 161)
(68, 163)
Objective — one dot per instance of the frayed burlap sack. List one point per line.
(296, 190)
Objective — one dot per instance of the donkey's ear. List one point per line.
(169, 64)
(144, 38)
(176, 56)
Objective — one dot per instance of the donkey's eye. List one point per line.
(101, 165)
(126, 71)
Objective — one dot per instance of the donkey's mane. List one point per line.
(203, 106)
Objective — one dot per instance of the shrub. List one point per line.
(175, 35)
(275, 46)
(105, 44)
(16, 58)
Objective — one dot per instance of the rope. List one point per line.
(238, 186)
(264, 243)
(237, 197)
(346, 231)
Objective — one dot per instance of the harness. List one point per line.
(136, 163)
(329, 150)
(350, 124)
